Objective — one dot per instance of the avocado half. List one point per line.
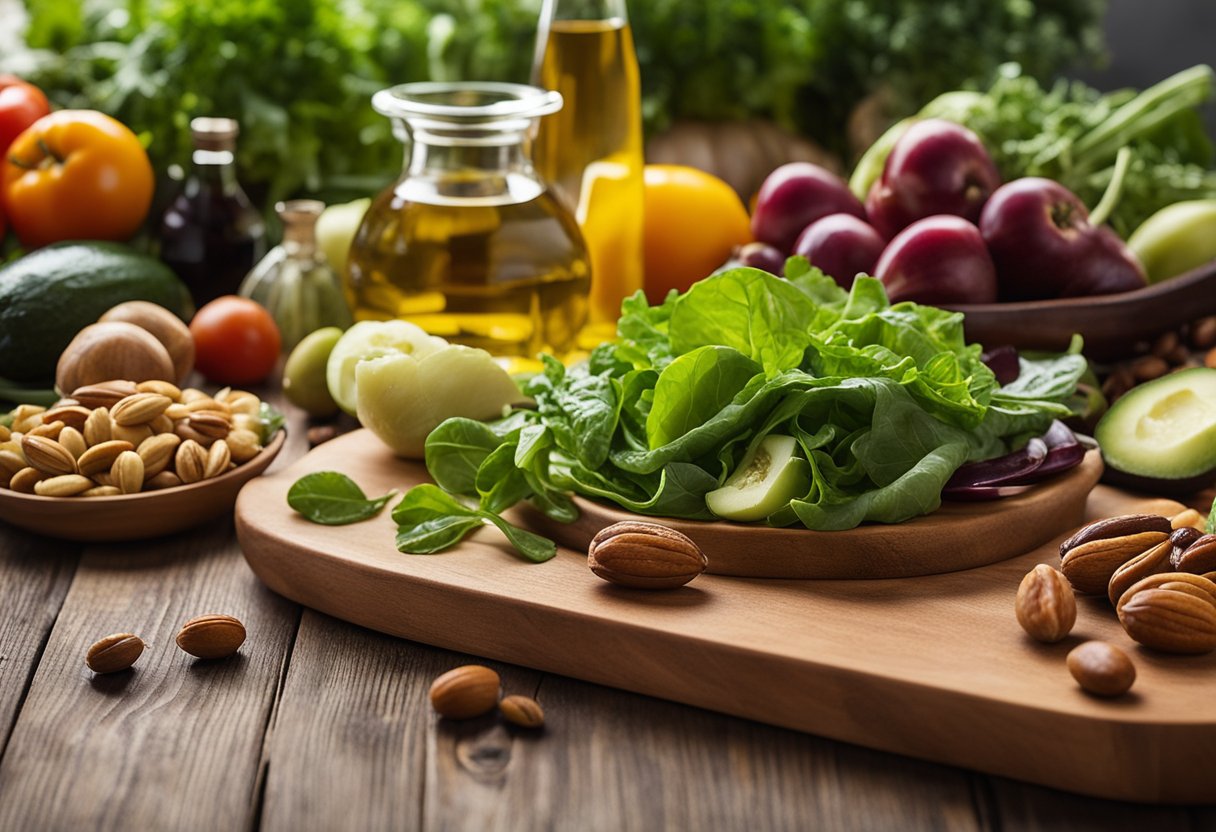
(1161, 436)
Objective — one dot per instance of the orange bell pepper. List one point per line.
(76, 175)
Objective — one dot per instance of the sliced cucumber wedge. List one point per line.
(766, 480)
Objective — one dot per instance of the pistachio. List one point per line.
(114, 653)
(139, 409)
(66, 485)
(211, 636)
(47, 455)
(107, 394)
(101, 456)
(522, 711)
(645, 556)
(157, 452)
(73, 440)
(218, 459)
(465, 692)
(128, 472)
(1101, 669)
(98, 427)
(24, 480)
(1045, 606)
(191, 462)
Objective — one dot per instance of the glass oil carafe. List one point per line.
(470, 244)
(294, 281)
(592, 149)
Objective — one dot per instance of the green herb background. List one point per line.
(298, 73)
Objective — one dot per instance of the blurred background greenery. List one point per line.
(298, 74)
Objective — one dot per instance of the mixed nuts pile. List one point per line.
(204, 637)
(120, 437)
(472, 690)
(1192, 346)
(1158, 573)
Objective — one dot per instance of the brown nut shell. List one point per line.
(1197, 558)
(1101, 669)
(100, 457)
(1116, 527)
(1170, 620)
(211, 636)
(1149, 562)
(465, 692)
(1046, 606)
(1090, 565)
(114, 653)
(645, 556)
(522, 711)
(47, 455)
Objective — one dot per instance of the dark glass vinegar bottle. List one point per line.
(211, 235)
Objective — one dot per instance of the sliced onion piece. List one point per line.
(1000, 471)
(1064, 451)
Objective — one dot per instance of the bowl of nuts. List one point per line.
(126, 461)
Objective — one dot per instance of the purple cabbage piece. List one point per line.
(1004, 470)
(1003, 361)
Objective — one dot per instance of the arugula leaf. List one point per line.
(333, 499)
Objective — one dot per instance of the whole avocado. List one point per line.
(51, 294)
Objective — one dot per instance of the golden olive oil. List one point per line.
(591, 151)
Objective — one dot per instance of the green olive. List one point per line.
(304, 374)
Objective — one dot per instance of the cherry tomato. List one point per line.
(236, 341)
(76, 175)
(21, 104)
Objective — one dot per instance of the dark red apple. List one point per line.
(841, 245)
(938, 260)
(760, 256)
(1043, 245)
(936, 167)
(794, 196)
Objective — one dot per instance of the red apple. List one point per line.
(936, 167)
(841, 245)
(938, 260)
(1040, 238)
(794, 196)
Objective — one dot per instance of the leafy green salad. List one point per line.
(885, 403)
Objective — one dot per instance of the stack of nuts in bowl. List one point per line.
(120, 437)
(1158, 573)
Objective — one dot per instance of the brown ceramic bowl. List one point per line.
(1113, 326)
(134, 516)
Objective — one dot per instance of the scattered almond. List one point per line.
(114, 653)
(465, 692)
(522, 711)
(211, 636)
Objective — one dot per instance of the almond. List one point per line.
(73, 440)
(1170, 620)
(1190, 518)
(67, 485)
(522, 711)
(1149, 562)
(157, 452)
(114, 653)
(139, 409)
(102, 491)
(107, 394)
(47, 455)
(1101, 669)
(165, 479)
(134, 434)
(465, 692)
(190, 464)
(101, 457)
(1090, 565)
(645, 556)
(50, 430)
(163, 388)
(25, 480)
(209, 423)
(72, 416)
(243, 445)
(211, 636)
(241, 401)
(98, 427)
(128, 472)
(26, 416)
(218, 459)
(1046, 607)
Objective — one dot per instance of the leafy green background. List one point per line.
(298, 74)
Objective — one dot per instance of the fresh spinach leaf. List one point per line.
(333, 499)
(437, 534)
(499, 483)
(454, 452)
(695, 387)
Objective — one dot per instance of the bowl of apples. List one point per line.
(1024, 260)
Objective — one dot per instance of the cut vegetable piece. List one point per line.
(1002, 470)
(1164, 429)
(372, 339)
(765, 481)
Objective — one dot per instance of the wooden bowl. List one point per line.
(134, 516)
(1112, 325)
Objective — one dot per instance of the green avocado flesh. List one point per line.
(1166, 428)
(765, 481)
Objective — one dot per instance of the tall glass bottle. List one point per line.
(591, 150)
(210, 235)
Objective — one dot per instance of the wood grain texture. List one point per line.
(881, 663)
(1112, 325)
(174, 743)
(34, 578)
(1036, 809)
(939, 542)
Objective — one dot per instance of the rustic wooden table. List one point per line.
(318, 724)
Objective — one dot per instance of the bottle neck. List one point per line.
(497, 169)
(584, 10)
(216, 170)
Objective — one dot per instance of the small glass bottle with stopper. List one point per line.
(294, 281)
(211, 235)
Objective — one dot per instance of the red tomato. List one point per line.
(235, 341)
(21, 104)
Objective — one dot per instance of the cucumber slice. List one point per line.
(1165, 428)
(766, 480)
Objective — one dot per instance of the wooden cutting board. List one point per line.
(933, 667)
